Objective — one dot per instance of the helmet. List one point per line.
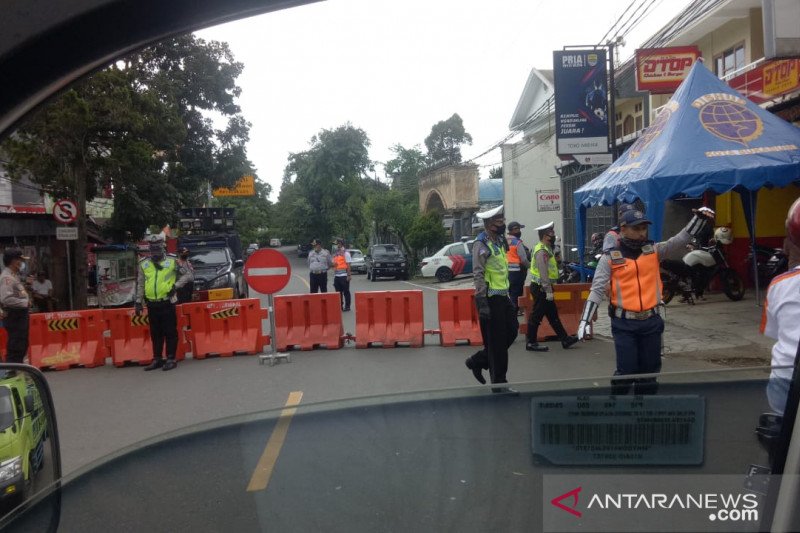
(723, 235)
(597, 238)
(793, 223)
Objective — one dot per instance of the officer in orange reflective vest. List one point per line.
(518, 263)
(629, 274)
(341, 273)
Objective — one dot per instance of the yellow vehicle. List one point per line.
(23, 430)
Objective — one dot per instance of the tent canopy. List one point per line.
(708, 137)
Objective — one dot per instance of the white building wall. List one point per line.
(527, 169)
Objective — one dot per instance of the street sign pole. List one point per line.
(273, 354)
(69, 274)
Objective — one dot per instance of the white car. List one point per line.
(274, 242)
(452, 260)
(357, 263)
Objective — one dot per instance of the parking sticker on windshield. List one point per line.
(618, 430)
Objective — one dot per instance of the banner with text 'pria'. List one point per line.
(581, 86)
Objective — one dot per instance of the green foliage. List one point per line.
(426, 231)
(496, 173)
(253, 214)
(405, 169)
(445, 140)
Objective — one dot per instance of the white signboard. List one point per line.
(67, 233)
(548, 200)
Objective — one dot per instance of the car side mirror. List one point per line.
(238, 263)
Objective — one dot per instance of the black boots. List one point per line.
(157, 363)
(477, 372)
(569, 341)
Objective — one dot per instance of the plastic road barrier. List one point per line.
(458, 317)
(308, 321)
(129, 340)
(388, 318)
(225, 328)
(570, 299)
(67, 339)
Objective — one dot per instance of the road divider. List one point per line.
(128, 339)
(570, 299)
(308, 321)
(224, 328)
(458, 317)
(67, 339)
(388, 318)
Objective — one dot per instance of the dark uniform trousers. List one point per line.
(342, 285)
(638, 347)
(543, 308)
(499, 332)
(16, 324)
(516, 283)
(319, 282)
(163, 328)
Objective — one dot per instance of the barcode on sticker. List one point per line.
(615, 434)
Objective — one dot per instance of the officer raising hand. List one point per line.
(629, 274)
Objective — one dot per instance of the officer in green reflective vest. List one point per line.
(157, 282)
(498, 318)
(544, 275)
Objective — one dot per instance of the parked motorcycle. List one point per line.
(572, 272)
(770, 263)
(691, 276)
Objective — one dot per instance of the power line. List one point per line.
(603, 38)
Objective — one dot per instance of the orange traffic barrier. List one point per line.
(308, 321)
(3, 342)
(389, 317)
(129, 340)
(225, 328)
(67, 339)
(458, 317)
(570, 299)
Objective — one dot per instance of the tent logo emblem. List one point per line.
(651, 134)
(727, 117)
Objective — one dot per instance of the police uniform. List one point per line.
(341, 276)
(156, 285)
(518, 263)
(631, 278)
(544, 275)
(15, 301)
(498, 318)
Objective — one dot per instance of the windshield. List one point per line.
(6, 409)
(208, 257)
(386, 252)
(356, 254)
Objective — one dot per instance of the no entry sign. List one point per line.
(267, 271)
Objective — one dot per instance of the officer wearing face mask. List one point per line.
(498, 318)
(629, 274)
(544, 275)
(159, 279)
(15, 302)
(518, 262)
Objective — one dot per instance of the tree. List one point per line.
(390, 213)
(405, 169)
(252, 213)
(138, 127)
(427, 232)
(445, 140)
(496, 173)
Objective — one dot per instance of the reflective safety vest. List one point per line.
(635, 283)
(339, 264)
(496, 271)
(552, 266)
(158, 282)
(512, 255)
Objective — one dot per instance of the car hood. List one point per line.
(210, 272)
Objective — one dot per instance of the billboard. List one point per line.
(661, 70)
(769, 80)
(581, 86)
(246, 186)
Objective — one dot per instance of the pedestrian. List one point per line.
(544, 276)
(158, 280)
(518, 263)
(780, 319)
(185, 293)
(629, 274)
(497, 317)
(319, 261)
(43, 292)
(341, 273)
(15, 303)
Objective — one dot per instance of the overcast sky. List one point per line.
(395, 68)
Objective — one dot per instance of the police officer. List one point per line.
(544, 275)
(498, 318)
(185, 292)
(631, 271)
(341, 273)
(518, 263)
(159, 279)
(15, 302)
(319, 261)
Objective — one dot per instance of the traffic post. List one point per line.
(66, 212)
(267, 272)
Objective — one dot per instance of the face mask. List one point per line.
(157, 256)
(633, 244)
(500, 229)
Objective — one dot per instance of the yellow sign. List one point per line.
(64, 324)
(220, 294)
(226, 313)
(781, 77)
(141, 320)
(246, 186)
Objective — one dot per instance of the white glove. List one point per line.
(707, 212)
(583, 330)
(550, 297)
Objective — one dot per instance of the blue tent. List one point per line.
(708, 137)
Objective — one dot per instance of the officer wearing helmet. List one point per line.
(498, 318)
(15, 303)
(630, 275)
(158, 280)
(780, 319)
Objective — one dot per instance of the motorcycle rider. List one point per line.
(780, 318)
(630, 274)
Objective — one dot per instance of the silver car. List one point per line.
(357, 263)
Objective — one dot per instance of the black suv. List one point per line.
(386, 260)
(303, 249)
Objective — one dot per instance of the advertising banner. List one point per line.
(661, 70)
(548, 200)
(581, 86)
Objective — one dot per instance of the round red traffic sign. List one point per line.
(267, 271)
(65, 211)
